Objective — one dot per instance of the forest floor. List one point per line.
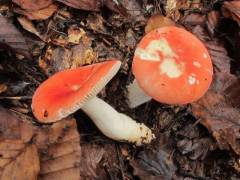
(40, 38)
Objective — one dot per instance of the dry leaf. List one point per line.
(60, 152)
(219, 111)
(33, 4)
(75, 34)
(153, 164)
(158, 21)
(90, 5)
(231, 9)
(28, 25)
(91, 157)
(3, 88)
(24, 166)
(40, 14)
(16, 150)
(10, 36)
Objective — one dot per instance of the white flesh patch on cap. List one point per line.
(171, 68)
(192, 79)
(75, 87)
(147, 55)
(150, 53)
(205, 55)
(197, 64)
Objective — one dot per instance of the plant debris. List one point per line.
(39, 38)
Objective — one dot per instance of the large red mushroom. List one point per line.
(172, 66)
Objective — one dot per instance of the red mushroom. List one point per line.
(69, 90)
(172, 66)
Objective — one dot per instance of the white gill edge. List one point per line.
(62, 113)
(136, 96)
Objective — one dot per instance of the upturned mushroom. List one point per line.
(69, 90)
(170, 65)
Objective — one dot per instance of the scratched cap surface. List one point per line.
(172, 66)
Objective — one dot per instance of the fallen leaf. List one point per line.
(75, 34)
(153, 164)
(40, 14)
(231, 9)
(194, 19)
(158, 21)
(26, 158)
(11, 37)
(91, 157)
(116, 6)
(3, 88)
(60, 58)
(92, 5)
(216, 49)
(16, 150)
(134, 10)
(28, 25)
(33, 4)
(219, 111)
(60, 151)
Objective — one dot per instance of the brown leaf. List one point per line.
(91, 157)
(60, 152)
(24, 166)
(231, 9)
(90, 5)
(33, 4)
(158, 21)
(219, 111)
(3, 88)
(62, 58)
(15, 148)
(134, 10)
(153, 164)
(10, 36)
(28, 25)
(41, 14)
(217, 51)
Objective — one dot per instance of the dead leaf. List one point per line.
(10, 36)
(153, 164)
(60, 58)
(231, 9)
(217, 51)
(91, 157)
(60, 152)
(33, 4)
(28, 25)
(134, 10)
(92, 5)
(15, 148)
(116, 6)
(40, 14)
(219, 111)
(158, 21)
(3, 88)
(194, 19)
(75, 34)
(27, 159)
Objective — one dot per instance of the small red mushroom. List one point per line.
(172, 66)
(69, 90)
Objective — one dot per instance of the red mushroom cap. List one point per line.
(66, 91)
(172, 66)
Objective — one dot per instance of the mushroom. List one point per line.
(67, 91)
(170, 65)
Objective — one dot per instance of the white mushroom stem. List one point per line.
(136, 96)
(116, 125)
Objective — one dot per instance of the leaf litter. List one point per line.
(198, 141)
